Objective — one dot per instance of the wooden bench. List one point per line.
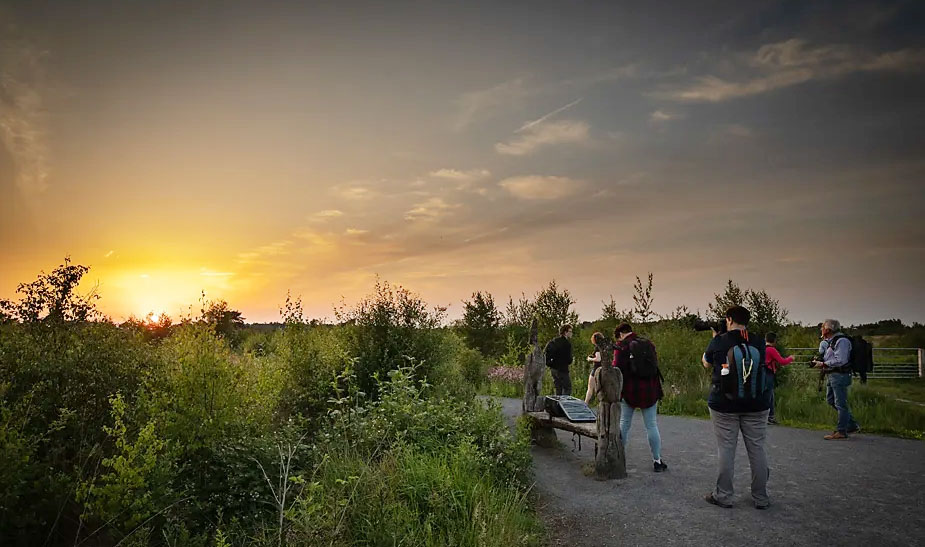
(609, 458)
(587, 429)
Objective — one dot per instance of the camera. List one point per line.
(816, 357)
(701, 325)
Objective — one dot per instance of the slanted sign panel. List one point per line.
(566, 406)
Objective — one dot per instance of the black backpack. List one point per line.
(861, 356)
(643, 361)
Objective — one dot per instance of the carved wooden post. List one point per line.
(534, 401)
(610, 462)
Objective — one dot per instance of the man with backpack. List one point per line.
(642, 387)
(836, 364)
(739, 401)
(558, 358)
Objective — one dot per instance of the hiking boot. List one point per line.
(855, 429)
(762, 507)
(835, 435)
(659, 466)
(710, 499)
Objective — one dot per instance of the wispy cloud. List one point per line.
(353, 192)
(538, 187)
(431, 209)
(22, 114)
(109, 254)
(545, 117)
(545, 134)
(474, 105)
(794, 62)
(322, 216)
(661, 117)
(355, 232)
(456, 175)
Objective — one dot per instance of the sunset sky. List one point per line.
(250, 148)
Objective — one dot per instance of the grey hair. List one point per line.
(832, 324)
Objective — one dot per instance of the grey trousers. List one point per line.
(753, 426)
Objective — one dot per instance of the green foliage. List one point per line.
(610, 313)
(417, 470)
(642, 298)
(135, 478)
(767, 313)
(52, 297)
(481, 324)
(386, 329)
(224, 321)
(551, 307)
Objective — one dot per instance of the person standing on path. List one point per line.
(732, 415)
(775, 362)
(836, 364)
(558, 358)
(603, 349)
(642, 388)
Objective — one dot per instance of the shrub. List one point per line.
(386, 329)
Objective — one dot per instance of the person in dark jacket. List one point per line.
(558, 358)
(730, 416)
(638, 392)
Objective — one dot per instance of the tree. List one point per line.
(553, 308)
(731, 296)
(224, 321)
(53, 298)
(766, 312)
(610, 312)
(643, 299)
(481, 324)
(389, 328)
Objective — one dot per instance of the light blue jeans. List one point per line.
(649, 416)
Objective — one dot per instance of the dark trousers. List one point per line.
(561, 381)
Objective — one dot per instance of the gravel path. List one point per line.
(864, 491)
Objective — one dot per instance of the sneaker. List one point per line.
(855, 429)
(659, 466)
(835, 435)
(710, 499)
(762, 507)
(772, 421)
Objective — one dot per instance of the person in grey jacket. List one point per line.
(836, 363)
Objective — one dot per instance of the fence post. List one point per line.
(921, 368)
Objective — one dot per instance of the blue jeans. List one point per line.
(649, 417)
(836, 394)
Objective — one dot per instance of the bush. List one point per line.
(387, 329)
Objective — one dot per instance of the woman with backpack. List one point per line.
(642, 387)
(603, 348)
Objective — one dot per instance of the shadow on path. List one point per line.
(864, 491)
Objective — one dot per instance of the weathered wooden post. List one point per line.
(610, 462)
(534, 401)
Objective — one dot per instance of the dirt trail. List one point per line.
(864, 491)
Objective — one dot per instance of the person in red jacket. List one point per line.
(775, 362)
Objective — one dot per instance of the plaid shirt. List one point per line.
(637, 392)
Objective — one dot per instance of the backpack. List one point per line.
(643, 361)
(748, 378)
(860, 358)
